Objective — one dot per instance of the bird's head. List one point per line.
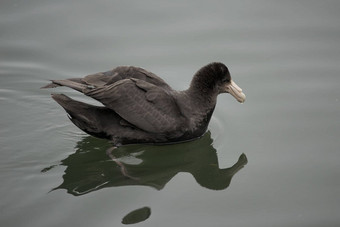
(215, 78)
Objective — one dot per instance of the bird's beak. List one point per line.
(235, 91)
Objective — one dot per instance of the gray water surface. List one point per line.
(273, 161)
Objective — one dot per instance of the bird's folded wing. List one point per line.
(113, 76)
(142, 104)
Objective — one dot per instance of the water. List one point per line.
(284, 54)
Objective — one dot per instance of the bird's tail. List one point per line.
(93, 120)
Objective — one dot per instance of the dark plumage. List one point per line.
(139, 107)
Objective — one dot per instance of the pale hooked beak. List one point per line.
(235, 91)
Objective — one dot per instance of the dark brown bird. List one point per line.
(140, 107)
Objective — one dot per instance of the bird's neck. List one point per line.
(197, 105)
(202, 96)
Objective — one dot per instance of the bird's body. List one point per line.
(140, 107)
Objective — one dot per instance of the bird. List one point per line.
(139, 107)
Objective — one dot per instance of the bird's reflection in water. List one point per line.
(92, 168)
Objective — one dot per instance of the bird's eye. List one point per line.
(225, 80)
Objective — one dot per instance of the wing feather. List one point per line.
(148, 107)
(121, 73)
